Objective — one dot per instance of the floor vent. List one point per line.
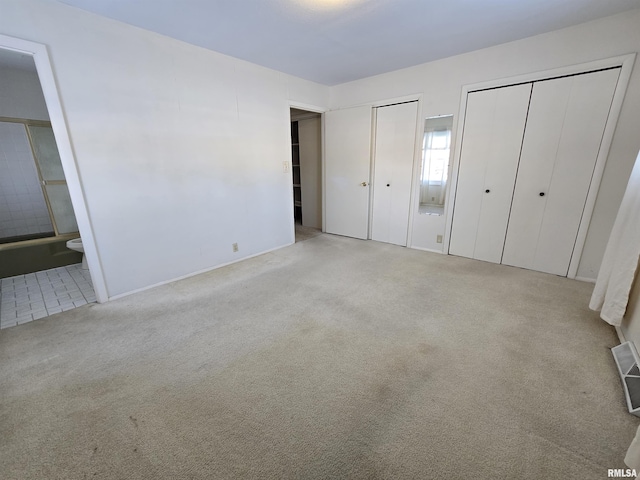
(626, 358)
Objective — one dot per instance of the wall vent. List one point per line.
(626, 358)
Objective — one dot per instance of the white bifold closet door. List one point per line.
(347, 171)
(492, 138)
(565, 125)
(395, 139)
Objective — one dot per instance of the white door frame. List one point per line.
(59, 125)
(626, 63)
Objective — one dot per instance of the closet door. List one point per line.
(492, 138)
(347, 171)
(566, 122)
(393, 167)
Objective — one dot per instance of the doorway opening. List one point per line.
(40, 274)
(38, 53)
(306, 173)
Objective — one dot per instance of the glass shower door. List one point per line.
(54, 183)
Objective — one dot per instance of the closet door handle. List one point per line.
(388, 184)
(487, 191)
(542, 194)
(363, 184)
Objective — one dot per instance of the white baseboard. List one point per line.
(428, 250)
(205, 270)
(621, 336)
(585, 279)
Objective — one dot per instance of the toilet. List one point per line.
(76, 244)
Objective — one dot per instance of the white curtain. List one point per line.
(620, 261)
(632, 458)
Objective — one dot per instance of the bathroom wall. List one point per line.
(23, 210)
(21, 95)
(441, 82)
(179, 149)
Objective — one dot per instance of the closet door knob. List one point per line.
(542, 194)
(363, 184)
(388, 184)
(487, 191)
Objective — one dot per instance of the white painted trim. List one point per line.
(193, 274)
(621, 336)
(553, 73)
(323, 174)
(67, 157)
(624, 61)
(414, 196)
(292, 208)
(372, 169)
(384, 103)
(392, 101)
(585, 279)
(306, 106)
(422, 249)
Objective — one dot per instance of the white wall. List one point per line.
(179, 149)
(440, 84)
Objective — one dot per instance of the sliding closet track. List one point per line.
(546, 79)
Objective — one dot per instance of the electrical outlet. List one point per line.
(234, 246)
(439, 239)
(285, 167)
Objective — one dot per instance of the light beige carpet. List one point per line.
(332, 358)
(305, 233)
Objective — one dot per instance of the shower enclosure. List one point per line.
(34, 197)
(36, 215)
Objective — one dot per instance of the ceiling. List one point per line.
(336, 41)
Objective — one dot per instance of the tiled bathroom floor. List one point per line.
(29, 297)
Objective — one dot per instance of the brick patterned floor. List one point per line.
(24, 298)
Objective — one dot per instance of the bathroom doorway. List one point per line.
(41, 202)
(36, 207)
(306, 172)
